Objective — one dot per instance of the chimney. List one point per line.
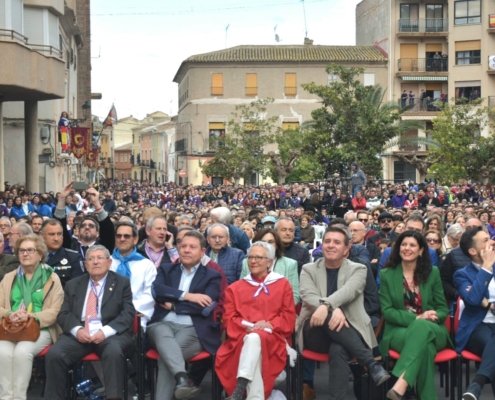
(308, 41)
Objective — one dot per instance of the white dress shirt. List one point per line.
(107, 330)
(143, 274)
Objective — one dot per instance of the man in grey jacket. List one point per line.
(358, 179)
(333, 318)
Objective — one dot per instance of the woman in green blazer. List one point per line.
(414, 308)
(282, 265)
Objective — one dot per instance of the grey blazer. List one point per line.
(348, 297)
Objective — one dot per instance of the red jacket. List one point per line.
(358, 204)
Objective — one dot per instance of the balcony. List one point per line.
(251, 91)
(144, 163)
(290, 90)
(217, 90)
(435, 27)
(419, 106)
(29, 72)
(491, 23)
(427, 69)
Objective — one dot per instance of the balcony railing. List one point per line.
(251, 91)
(419, 105)
(423, 64)
(217, 90)
(13, 35)
(53, 51)
(144, 163)
(290, 90)
(423, 25)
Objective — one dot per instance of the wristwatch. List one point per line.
(327, 304)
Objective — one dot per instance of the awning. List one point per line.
(418, 117)
(425, 78)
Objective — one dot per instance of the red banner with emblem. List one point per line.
(92, 158)
(80, 140)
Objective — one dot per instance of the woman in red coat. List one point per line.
(358, 202)
(259, 315)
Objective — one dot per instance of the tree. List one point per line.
(240, 151)
(354, 123)
(457, 131)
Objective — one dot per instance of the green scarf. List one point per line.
(28, 287)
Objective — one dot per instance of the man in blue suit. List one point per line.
(182, 324)
(476, 286)
(414, 223)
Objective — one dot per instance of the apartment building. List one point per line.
(212, 84)
(123, 164)
(442, 48)
(44, 70)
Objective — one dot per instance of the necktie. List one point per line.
(50, 255)
(91, 311)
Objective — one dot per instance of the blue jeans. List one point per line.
(356, 189)
(309, 367)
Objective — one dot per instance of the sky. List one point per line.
(138, 46)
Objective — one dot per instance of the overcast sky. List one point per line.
(138, 46)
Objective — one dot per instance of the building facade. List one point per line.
(123, 164)
(44, 70)
(212, 84)
(438, 50)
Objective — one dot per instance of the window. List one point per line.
(251, 84)
(467, 57)
(467, 12)
(216, 130)
(332, 78)
(409, 18)
(290, 126)
(369, 79)
(404, 171)
(290, 84)
(468, 93)
(434, 18)
(217, 84)
(468, 52)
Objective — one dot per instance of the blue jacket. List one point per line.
(473, 313)
(239, 240)
(399, 201)
(44, 210)
(18, 211)
(166, 289)
(386, 255)
(230, 259)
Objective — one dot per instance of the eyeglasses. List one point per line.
(31, 250)
(125, 236)
(363, 219)
(431, 240)
(216, 237)
(385, 220)
(4, 226)
(92, 226)
(256, 258)
(93, 259)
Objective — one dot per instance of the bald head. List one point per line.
(473, 223)
(358, 232)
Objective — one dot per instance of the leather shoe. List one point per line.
(378, 373)
(308, 393)
(410, 395)
(185, 388)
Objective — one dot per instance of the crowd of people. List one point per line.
(249, 274)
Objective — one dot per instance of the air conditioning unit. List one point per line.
(196, 150)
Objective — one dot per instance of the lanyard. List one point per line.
(98, 293)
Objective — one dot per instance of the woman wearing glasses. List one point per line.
(31, 291)
(259, 316)
(284, 266)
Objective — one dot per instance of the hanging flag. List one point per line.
(80, 140)
(112, 116)
(92, 158)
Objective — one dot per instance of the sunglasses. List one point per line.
(363, 219)
(125, 236)
(88, 226)
(385, 220)
(430, 240)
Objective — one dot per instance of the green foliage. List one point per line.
(353, 123)
(240, 152)
(457, 131)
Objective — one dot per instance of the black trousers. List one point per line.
(67, 351)
(341, 347)
(482, 343)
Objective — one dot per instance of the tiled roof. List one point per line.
(292, 53)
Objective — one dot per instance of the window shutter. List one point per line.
(217, 84)
(286, 126)
(16, 11)
(468, 45)
(251, 84)
(369, 79)
(33, 25)
(290, 84)
(2, 15)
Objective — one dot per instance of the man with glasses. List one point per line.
(18, 230)
(5, 227)
(66, 263)
(93, 230)
(385, 221)
(359, 237)
(365, 219)
(108, 204)
(229, 258)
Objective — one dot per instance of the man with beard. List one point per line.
(385, 221)
(36, 223)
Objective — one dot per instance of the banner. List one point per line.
(92, 158)
(81, 141)
(112, 116)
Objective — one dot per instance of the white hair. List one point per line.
(222, 214)
(218, 225)
(454, 230)
(270, 250)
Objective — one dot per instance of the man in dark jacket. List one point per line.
(109, 204)
(342, 205)
(159, 246)
(286, 230)
(8, 262)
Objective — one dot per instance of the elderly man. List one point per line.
(259, 316)
(97, 316)
(182, 324)
(18, 230)
(358, 230)
(229, 258)
(238, 239)
(286, 230)
(335, 320)
(8, 262)
(66, 263)
(128, 262)
(5, 227)
(159, 246)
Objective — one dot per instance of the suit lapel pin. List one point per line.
(64, 261)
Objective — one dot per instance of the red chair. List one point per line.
(94, 357)
(466, 356)
(39, 359)
(443, 356)
(153, 356)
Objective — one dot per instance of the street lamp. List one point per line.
(86, 107)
